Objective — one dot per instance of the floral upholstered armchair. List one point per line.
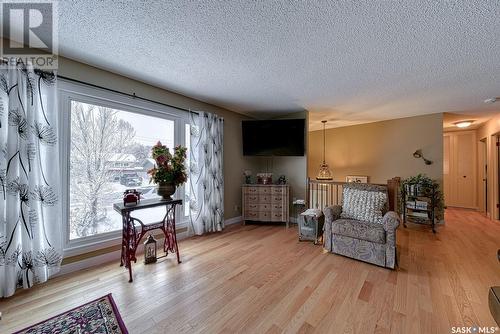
(362, 228)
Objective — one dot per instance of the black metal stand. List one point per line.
(131, 236)
(422, 193)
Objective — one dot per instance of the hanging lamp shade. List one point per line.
(324, 173)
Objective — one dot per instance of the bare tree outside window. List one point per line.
(110, 152)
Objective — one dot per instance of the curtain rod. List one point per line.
(126, 94)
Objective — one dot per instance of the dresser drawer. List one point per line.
(265, 207)
(251, 190)
(259, 207)
(279, 190)
(277, 216)
(265, 190)
(265, 216)
(252, 199)
(251, 215)
(265, 199)
(252, 207)
(277, 207)
(276, 198)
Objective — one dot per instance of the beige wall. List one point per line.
(488, 131)
(381, 150)
(234, 161)
(294, 168)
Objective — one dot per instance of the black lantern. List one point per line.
(150, 250)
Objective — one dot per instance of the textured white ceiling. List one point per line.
(347, 61)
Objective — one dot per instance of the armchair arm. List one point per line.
(390, 221)
(332, 213)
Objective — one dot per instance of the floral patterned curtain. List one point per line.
(30, 215)
(206, 173)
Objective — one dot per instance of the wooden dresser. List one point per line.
(266, 203)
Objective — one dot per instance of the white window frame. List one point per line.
(70, 91)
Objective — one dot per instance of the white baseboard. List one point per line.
(233, 220)
(90, 262)
(115, 256)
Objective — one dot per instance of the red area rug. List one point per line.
(98, 316)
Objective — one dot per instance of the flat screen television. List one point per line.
(274, 137)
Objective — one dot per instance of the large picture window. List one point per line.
(108, 150)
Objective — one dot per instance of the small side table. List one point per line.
(133, 233)
(311, 226)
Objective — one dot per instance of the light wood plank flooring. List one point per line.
(260, 279)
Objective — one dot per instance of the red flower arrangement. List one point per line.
(169, 169)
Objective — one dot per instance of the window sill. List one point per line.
(100, 242)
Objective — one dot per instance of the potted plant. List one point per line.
(169, 171)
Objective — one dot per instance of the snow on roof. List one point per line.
(122, 157)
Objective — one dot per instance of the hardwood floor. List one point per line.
(260, 279)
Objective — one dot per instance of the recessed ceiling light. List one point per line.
(463, 124)
(492, 100)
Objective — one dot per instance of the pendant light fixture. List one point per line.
(324, 172)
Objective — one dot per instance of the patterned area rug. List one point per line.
(98, 316)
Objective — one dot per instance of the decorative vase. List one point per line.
(166, 190)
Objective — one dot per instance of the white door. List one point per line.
(466, 169)
(460, 164)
